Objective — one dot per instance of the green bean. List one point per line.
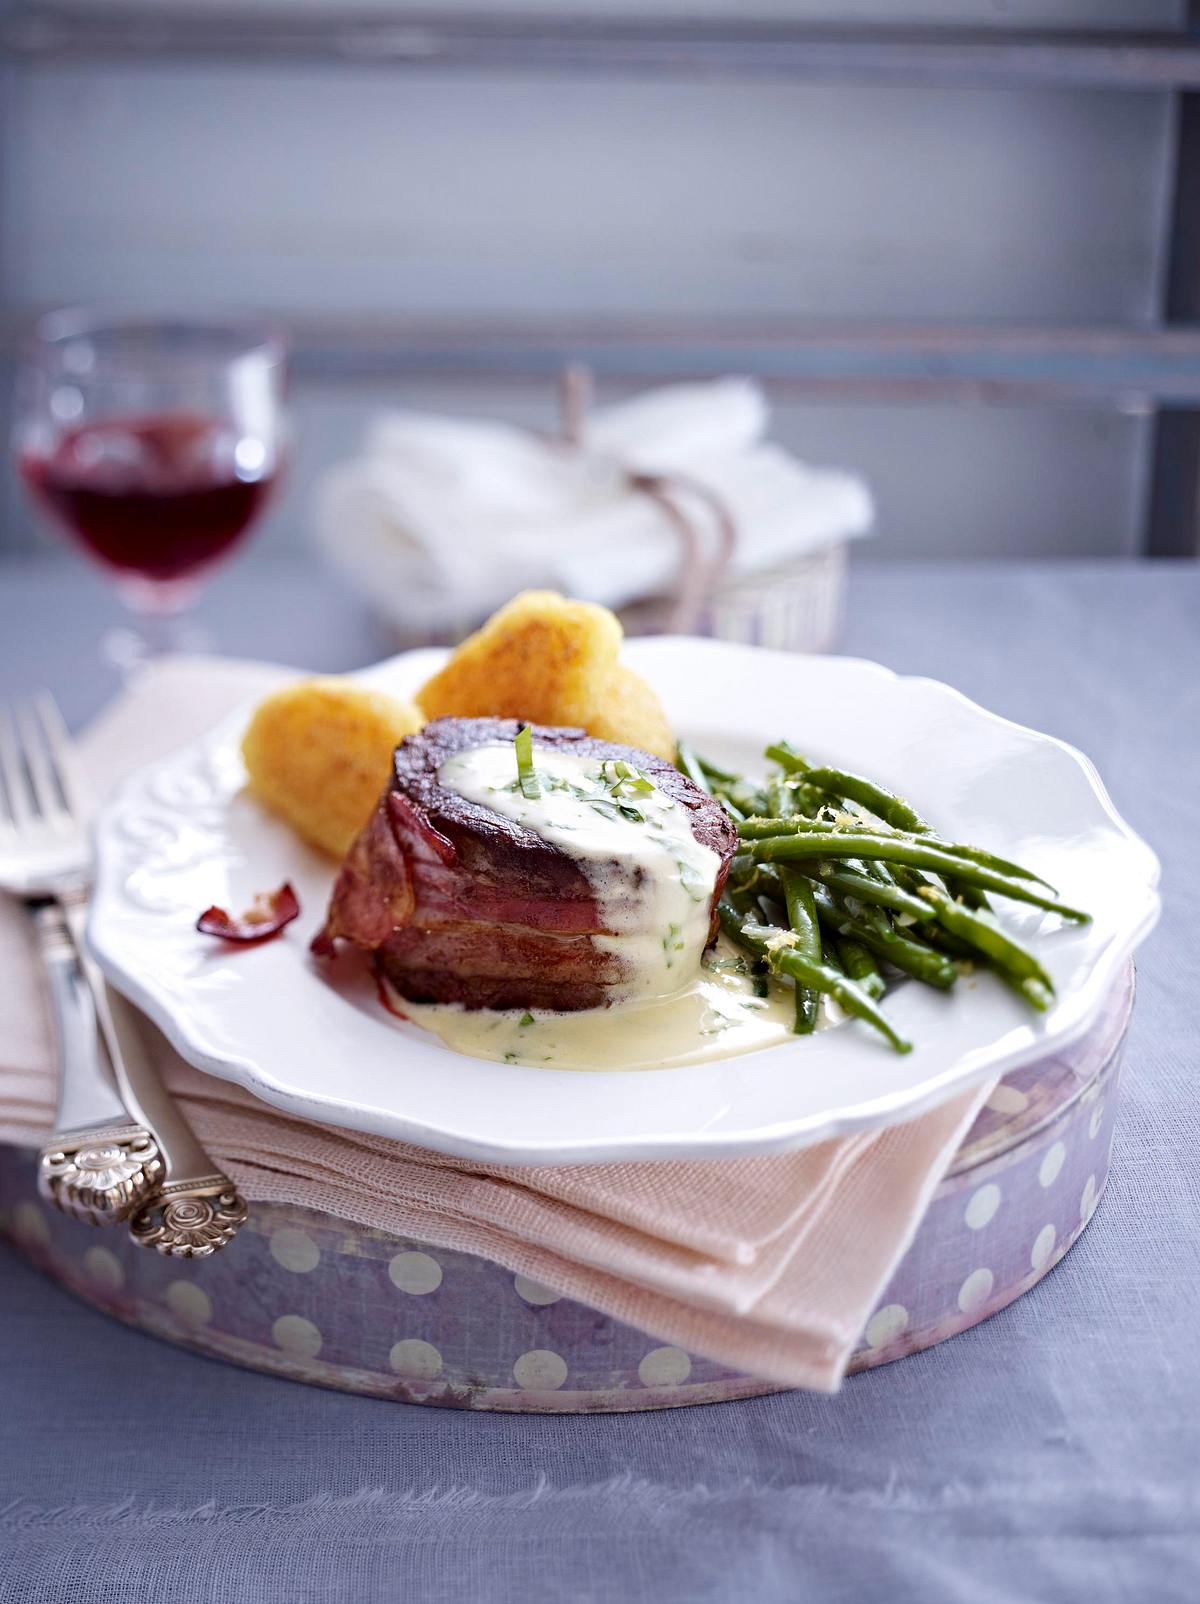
(761, 828)
(942, 941)
(844, 787)
(982, 930)
(972, 897)
(715, 773)
(856, 892)
(875, 871)
(850, 997)
(786, 755)
(740, 903)
(901, 815)
(972, 931)
(989, 860)
(909, 879)
(777, 797)
(921, 962)
(831, 955)
(765, 942)
(867, 888)
(743, 872)
(868, 914)
(859, 964)
(899, 849)
(772, 910)
(759, 878)
(912, 958)
(802, 916)
(977, 934)
(688, 763)
(791, 798)
(741, 798)
(936, 935)
(885, 805)
(731, 790)
(1034, 993)
(771, 882)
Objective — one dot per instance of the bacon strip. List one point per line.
(265, 917)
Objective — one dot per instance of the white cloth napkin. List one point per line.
(440, 520)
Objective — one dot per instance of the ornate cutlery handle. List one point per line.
(195, 1210)
(99, 1165)
(100, 1177)
(190, 1219)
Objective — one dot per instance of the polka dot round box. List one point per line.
(317, 1300)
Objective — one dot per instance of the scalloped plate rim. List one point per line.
(189, 1036)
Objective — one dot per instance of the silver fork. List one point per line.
(112, 1157)
(100, 1164)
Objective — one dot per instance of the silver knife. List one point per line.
(195, 1210)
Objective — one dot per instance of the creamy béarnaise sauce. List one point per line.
(652, 882)
(718, 1012)
(651, 879)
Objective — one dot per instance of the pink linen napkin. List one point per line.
(770, 1265)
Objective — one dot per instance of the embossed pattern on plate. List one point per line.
(182, 835)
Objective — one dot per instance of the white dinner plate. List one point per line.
(314, 1040)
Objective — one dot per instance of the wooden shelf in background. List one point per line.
(515, 42)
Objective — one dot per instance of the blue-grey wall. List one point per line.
(332, 191)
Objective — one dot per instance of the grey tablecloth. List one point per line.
(1051, 1454)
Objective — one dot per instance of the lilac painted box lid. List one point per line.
(316, 1299)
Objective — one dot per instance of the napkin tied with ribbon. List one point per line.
(439, 520)
(771, 1265)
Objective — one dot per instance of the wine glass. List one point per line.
(155, 444)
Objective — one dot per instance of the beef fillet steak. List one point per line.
(461, 904)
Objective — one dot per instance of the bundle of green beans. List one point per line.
(838, 880)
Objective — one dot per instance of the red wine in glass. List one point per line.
(159, 498)
(154, 444)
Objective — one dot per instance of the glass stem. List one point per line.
(158, 625)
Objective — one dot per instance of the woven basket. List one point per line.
(796, 608)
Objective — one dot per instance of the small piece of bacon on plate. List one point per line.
(264, 918)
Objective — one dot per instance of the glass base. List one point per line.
(157, 627)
